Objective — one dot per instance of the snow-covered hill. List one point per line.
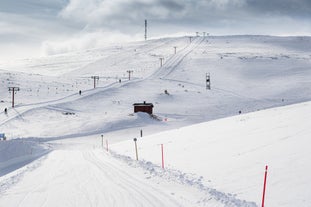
(248, 74)
(231, 154)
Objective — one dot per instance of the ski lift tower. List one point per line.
(14, 91)
(95, 78)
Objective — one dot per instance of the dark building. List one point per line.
(143, 107)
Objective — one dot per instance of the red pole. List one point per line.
(162, 156)
(264, 187)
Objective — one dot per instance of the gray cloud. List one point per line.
(107, 12)
(129, 15)
(61, 24)
(32, 7)
(124, 15)
(290, 8)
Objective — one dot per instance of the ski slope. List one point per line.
(54, 134)
(216, 166)
(99, 188)
(231, 154)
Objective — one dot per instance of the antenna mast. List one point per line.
(145, 29)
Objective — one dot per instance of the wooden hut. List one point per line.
(143, 107)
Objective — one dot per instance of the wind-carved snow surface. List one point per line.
(54, 156)
(189, 180)
(18, 152)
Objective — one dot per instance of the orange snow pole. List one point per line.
(162, 156)
(102, 140)
(264, 187)
(135, 140)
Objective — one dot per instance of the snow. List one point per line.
(231, 153)
(214, 156)
(18, 152)
(126, 190)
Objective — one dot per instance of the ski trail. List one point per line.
(130, 53)
(85, 178)
(172, 63)
(130, 183)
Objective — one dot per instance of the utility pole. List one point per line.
(129, 72)
(190, 38)
(161, 61)
(175, 49)
(145, 29)
(95, 78)
(14, 90)
(208, 81)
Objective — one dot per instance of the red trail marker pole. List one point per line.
(162, 156)
(264, 187)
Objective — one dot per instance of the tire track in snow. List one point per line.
(128, 182)
(84, 177)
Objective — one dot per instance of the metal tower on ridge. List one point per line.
(145, 29)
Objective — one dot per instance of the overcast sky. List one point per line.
(36, 27)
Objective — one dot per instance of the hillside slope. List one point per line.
(231, 153)
(248, 73)
(55, 136)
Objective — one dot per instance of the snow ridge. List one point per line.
(7, 181)
(191, 180)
